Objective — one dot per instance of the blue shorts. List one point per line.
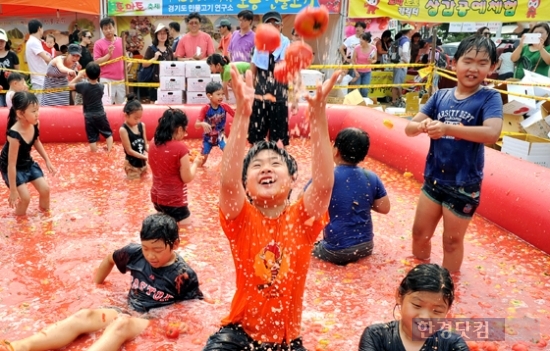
(207, 146)
(462, 201)
(25, 176)
(399, 76)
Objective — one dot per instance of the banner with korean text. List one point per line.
(211, 7)
(445, 11)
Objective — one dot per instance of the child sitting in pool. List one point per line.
(171, 166)
(426, 292)
(212, 119)
(153, 265)
(16, 164)
(134, 138)
(270, 238)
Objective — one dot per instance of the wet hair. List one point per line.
(544, 26)
(175, 26)
(429, 277)
(367, 37)
(132, 104)
(361, 24)
(215, 59)
(212, 87)
(159, 226)
(15, 77)
(246, 15)
(477, 43)
(353, 144)
(93, 70)
(193, 15)
(21, 100)
(106, 21)
(171, 120)
(34, 26)
(262, 145)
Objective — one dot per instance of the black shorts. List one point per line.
(178, 213)
(25, 176)
(233, 338)
(268, 117)
(96, 125)
(461, 201)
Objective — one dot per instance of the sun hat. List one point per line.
(160, 27)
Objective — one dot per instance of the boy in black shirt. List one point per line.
(94, 113)
(160, 277)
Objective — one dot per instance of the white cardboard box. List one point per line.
(216, 77)
(172, 83)
(528, 147)
(311, 77)
(169, 97)
(172, 69)
(197, 84)
(197, 97)
(537, 126)
(197, 69)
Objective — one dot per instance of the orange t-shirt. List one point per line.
(224, 44)
(272, 259)
(187, 45)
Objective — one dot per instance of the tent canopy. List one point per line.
(15, 8)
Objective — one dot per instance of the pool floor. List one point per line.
(48, 260)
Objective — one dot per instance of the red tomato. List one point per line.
(520, 347)
(472, 345)
(311, 22)
(173, 330)
(267, 38)
(490, 347)
(298, 56)
(281, 72)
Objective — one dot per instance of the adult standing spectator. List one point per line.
(346, 50)
(400, 74)
(533, 57)
(107, 49)
(383, 47)
(242, 41)
(225, 32)
(57, 73)
(36, 56)
(160, 50)
(174, 31)
(196, 44)
(8, 59)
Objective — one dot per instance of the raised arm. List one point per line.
(104, 269)
(317, 195)
(232, 193)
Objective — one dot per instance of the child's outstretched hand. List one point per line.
(319, 100)
(243, 90)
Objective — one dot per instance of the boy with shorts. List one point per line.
(16, 82)
(94, 113)
(270, 238)
(459, 121)
(160, 277)
(212, 119)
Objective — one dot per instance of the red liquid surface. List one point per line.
(48, 259)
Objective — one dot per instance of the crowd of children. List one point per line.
(263, 227)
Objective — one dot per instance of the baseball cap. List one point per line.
(224, 23)
(75, 49)
(272, 15)
(3, 35)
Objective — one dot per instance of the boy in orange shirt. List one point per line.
(270, 238)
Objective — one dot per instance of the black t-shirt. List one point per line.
(265, 82)
(385, 337)
(86, 57)
(156, 287)
(24, 159)
(138, 145)
(91, 98)
(8, 61)
(166, 55)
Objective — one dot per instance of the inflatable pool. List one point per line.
(515, 193)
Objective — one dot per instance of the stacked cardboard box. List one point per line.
(197, 75)
(172, 83)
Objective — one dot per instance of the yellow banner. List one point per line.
(445, 11)
(382, 78)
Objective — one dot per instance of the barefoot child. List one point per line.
(94, 113)
(270, 238)
(134, 138)
(154, 266)
(212, 119)
(16, 164)
(426, 292)
(458, 121)
(171, 166)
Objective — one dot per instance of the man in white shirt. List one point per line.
(37, 58)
